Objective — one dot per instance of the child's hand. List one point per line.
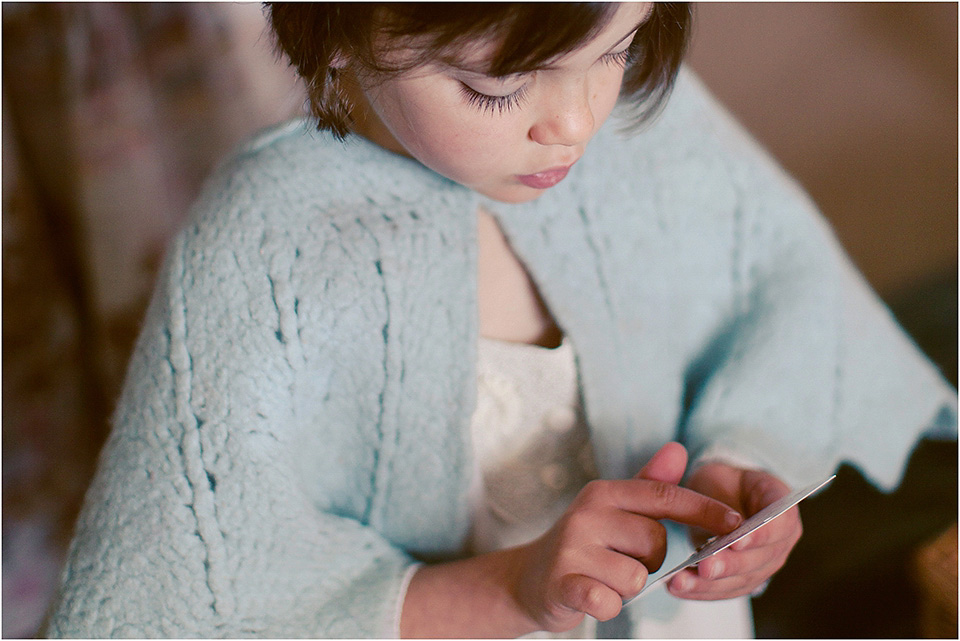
(603, 547)
(748, 563)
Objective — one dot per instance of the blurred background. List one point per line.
(113, 114)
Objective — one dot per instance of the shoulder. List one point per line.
(696, 145)
(296, 155)
(693, 161)
(292, 190)
(297, 220)
(292, 173)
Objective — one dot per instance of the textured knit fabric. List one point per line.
(294, 430)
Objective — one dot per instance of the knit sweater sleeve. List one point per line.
(811, 369)
(226, 503)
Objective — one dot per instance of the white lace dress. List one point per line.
(533, 455)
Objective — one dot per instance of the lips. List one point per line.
(545, 179)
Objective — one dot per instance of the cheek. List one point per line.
(461, 147)
(605, 98)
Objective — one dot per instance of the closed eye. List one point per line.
(618, 58)
(493, 104)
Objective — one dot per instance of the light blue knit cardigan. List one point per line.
(294, 426)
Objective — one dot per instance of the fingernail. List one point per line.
(680, 583)
(732, 519)
(715, 570)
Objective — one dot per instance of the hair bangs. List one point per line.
(449, 30)
(541, 32)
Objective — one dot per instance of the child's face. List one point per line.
(506, 138)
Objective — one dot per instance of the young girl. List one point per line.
(435, 370)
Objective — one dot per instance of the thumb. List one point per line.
(760, 489)
(667, 465)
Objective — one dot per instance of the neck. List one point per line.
(364, 120)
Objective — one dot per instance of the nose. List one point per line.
(567, 118)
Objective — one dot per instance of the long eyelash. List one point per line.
(493, 104)
(505, 104)
(619, 58)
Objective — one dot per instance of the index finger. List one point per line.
(659, 500)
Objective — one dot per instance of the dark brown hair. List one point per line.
(319, 38)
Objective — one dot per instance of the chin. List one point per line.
(514, 195)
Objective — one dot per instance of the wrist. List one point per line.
(475, 597)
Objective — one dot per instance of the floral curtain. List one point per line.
(113, 115)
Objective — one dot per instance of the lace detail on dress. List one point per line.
(532, 446)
